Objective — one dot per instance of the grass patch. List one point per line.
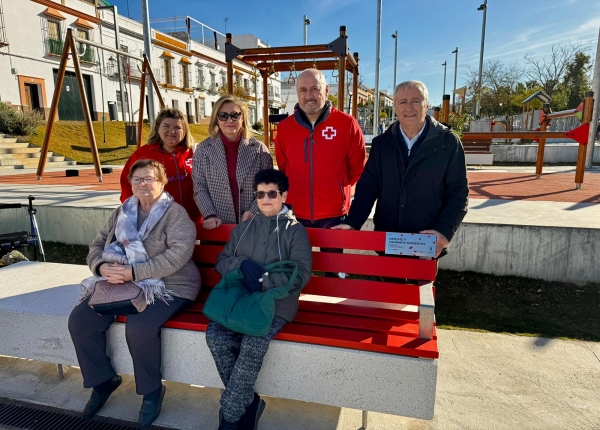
(524, 306)
(480, 302)
(69, 138)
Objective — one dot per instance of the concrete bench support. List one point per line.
(35, 305)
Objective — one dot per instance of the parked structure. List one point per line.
(189, 65)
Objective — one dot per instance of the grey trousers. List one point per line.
(142, 332)
(239, 358)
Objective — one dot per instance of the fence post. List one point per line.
(588, 107)
(445, 108)
(542, 143)
(436, 113)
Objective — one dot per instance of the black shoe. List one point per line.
(226, 425)
(97, 400)
(150, 410)
(249, 420)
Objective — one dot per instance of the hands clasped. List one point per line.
(116, 273)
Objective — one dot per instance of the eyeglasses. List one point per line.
(272, 194)
(147, 180)
(224, 116)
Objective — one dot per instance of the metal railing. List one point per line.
(55, 47)
(186, 28)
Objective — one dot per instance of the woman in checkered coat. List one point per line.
(225, 164)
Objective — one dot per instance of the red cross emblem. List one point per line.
(329, 133)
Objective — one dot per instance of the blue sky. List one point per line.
(428, 31)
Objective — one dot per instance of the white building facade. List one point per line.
(191, 74)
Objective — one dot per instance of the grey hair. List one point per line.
(413, 84)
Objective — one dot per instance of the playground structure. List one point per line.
(333, 56)
(579, 134)
(70, 48)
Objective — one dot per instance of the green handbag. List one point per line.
(233, 306)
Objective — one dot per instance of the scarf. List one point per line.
(129, 249)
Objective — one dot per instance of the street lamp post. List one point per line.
(395, 36)
(483, 7)
(306, 24)
(444, 64)
(377, 62)
(226, 19)
(455, 72)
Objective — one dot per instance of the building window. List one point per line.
(224, 81)
(119, 102)
(185, 76)
(167, 71)
(86, 52)
(213, 83)
(55, 44)
(175, 104)
(200, 77)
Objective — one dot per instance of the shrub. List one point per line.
(257, 126)
(19, 123)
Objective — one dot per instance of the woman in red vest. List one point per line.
(171, 144)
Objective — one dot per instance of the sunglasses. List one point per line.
(272, 194)
(224, 116)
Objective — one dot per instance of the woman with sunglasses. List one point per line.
(225, 165)
(171, 144)
(270, 236)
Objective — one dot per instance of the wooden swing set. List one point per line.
(333, 56)
(267, 61)
(70, 47)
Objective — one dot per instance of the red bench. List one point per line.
(361, 322)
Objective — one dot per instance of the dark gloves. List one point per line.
(252, 273)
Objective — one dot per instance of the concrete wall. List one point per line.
(553, 153)
(549, 253)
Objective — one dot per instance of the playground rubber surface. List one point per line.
(553, 187)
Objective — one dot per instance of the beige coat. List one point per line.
(211, 183)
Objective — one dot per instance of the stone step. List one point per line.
(8, 140)
(31, 162)
(49, 165)
(6, 145)
(20, 156)
(30, 150)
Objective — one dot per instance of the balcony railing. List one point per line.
(88, 56)
(55, 47)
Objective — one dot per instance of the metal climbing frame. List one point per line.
(332, 56)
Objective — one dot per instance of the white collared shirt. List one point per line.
(411, 142)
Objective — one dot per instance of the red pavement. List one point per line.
(554, 187)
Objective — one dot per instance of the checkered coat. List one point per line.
(211, 183)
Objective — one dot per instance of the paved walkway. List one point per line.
(485, 381)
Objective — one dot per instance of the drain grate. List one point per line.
(21, 415)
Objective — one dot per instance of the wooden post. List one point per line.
(54, 107)
(342, 74)
(229, 67)
(142, 96)
(266, 139)
(436, 113)
(588, 107)
(84, 102)
(445, 108)
(355, 87)
(542, 143)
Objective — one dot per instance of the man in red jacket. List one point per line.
(322, 151)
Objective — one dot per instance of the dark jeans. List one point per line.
(142, 332)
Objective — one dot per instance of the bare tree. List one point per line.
(498, 82)
(549, 71)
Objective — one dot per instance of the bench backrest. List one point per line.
(377, 284)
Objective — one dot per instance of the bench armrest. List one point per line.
(426, 311)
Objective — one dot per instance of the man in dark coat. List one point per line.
(415, 171)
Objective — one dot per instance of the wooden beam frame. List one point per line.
(70, 47)
(281, 59)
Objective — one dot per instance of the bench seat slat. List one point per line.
(359, 289)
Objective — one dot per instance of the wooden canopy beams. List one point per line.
(333, 56)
